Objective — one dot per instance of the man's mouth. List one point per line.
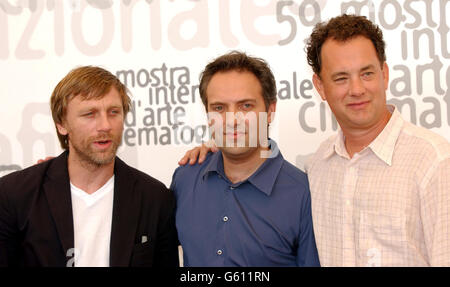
(102, 143)
(234, 134)
(358, 105)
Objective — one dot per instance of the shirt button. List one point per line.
(219, 252)
(225, 218)
(231, 187)
(347, 202)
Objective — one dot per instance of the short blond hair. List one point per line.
(88, 82)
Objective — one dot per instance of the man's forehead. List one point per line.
(331, 44)
(81, 101)
(237, 100)
(346, 53)
(233, 86)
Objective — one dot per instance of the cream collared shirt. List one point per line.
(389, 205)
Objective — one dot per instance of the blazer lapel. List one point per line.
(126, 212)
(57, 191)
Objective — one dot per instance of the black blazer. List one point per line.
(36, 222)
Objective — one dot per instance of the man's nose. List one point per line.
(357, 87)
(103, 122)
(234, 117)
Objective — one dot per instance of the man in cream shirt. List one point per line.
(381, 187)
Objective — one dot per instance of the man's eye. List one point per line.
(218, 108)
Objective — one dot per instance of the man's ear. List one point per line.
(61, 129)
(271, 112)
(385, 75)
(317, 81)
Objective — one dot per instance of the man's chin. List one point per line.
(236, 151)
(102, 161)
(103, 158)
(98, 158)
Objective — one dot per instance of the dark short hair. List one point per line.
(87, 82)
(239, 61)
(343, 28)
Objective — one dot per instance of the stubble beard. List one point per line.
(89, 156)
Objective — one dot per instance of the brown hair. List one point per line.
(343, 28)
(240, 61)
(88, 82)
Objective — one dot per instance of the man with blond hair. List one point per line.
(86, 207)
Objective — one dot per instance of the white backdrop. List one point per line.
(158, 48)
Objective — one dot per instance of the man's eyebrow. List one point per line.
(368, 67)
(344, 73)
(216, 103)
(337, 74)
(87, 109)
(240, 101)
(247, 100)
(94, 108)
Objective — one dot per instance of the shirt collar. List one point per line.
(382, 146)
(263, 178)
(337, 146)
(215, 165)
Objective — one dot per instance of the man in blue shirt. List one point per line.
(245, 205)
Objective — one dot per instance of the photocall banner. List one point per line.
(158, 49)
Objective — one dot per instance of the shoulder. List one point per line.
(291, 189)
(148, 185)
(427, 154)
(293, 183)
(425, 142)
(190, 172)
(320, 152)
(143, 178)
(25, 180)
(294, 174)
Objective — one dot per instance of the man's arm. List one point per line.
(435, 213)
(307, 251)
(191, 156)
(8, 230)
(198, 153)
(167, 246)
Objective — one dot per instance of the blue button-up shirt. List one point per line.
(262, 221)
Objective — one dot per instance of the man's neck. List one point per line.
(239, 168)
(87, 176)
(358, 139)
